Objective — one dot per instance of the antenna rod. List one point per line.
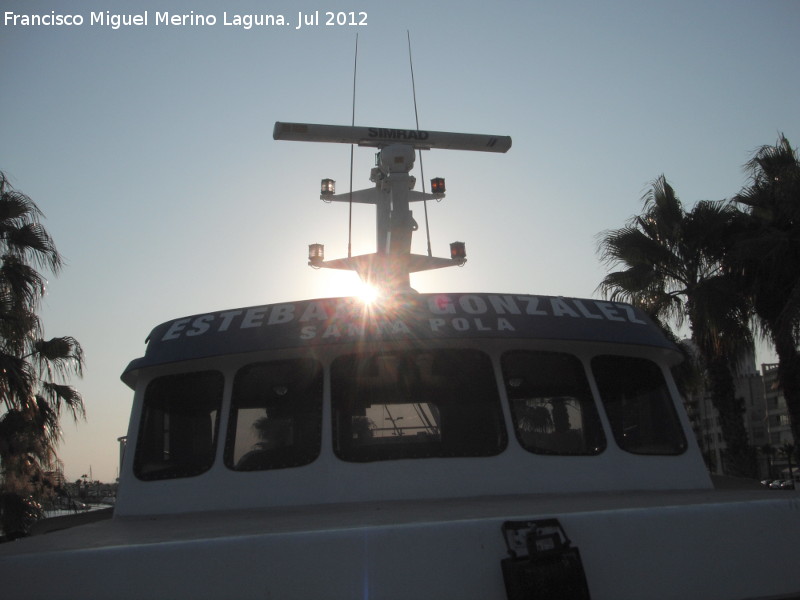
(352, 123)
(413, 87)
(421, 169)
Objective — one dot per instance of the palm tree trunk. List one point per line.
(739, 457)
(789, 378)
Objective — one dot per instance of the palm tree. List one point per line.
(766, 255)
(534, 417)
(671, 267)
(33, 371)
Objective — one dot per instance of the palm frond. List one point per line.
(774, 173)
(59, 397)
(770, 161)
(15, 206)
(630, 246)
(721, 316)
(59, 357)
(17, 381)
(20, 282)
(17, 326)
(789, 316)
(16, 209)
(28, 438)
(629, 284)
(663, 210)
(31, 241)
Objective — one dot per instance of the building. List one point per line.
(779, 431)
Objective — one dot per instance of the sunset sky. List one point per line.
(149, 148)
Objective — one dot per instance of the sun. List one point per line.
(367, 293)
(339, 284)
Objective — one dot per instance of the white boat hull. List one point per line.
(706, 545)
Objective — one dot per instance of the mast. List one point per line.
(388, 268)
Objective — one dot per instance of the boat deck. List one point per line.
(157, 529)
(633, 545)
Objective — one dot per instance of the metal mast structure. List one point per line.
(388, 268)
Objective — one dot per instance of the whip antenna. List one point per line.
(421, 170)
(352, 123)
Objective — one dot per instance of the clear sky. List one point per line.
(150, 149)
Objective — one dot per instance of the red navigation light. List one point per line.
(458, 251)
(437, 185)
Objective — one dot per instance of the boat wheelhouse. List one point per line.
(422, 396)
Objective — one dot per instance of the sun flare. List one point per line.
(367, 293)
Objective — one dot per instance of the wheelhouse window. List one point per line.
(276, 415)
(551, 403)
(178, 431)
(415, 404)
(638, 405)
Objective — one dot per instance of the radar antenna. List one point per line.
(389, 268)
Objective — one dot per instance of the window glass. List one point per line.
(178, 432)
(638, 405)
(551, 403)
(415, 404)
(276, 415)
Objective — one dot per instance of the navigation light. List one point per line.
(327, 188)
(458, 251)
(437, 185)
(316, 255)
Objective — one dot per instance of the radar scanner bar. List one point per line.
(381, 136)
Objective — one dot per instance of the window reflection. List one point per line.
(638, 405)
(415, 404)
(276, 415)
(551, 403)
(177, 436)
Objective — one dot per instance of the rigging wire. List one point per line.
(421, 170)
(352, 124)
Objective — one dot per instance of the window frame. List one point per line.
(148, 470)
(286, 456)
(667, 408)
(491, 404)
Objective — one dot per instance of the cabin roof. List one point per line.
(421, 317)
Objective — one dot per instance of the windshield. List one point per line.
(551, 403)
(177, 436)
(276, 415)
(415, 404)
(638, 405)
